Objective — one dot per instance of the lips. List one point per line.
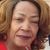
(23, 37)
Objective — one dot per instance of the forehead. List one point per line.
(26, 7)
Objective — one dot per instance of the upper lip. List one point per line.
(25, 36)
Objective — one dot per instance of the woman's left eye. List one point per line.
(34, 22)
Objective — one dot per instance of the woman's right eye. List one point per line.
(19, 20)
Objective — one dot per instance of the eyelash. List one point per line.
(34, 22)
(19, 20)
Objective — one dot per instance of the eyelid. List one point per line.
(19, 19)
(35, 22)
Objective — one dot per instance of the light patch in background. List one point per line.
(47, 47)
(48, 2)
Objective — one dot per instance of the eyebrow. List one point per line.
(22, 14)
(33, 16)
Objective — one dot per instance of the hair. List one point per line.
(6, 11)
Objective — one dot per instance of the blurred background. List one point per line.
(48, 2)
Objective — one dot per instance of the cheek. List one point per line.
(34, 31)
(14, 28)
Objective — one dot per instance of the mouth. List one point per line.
(24, 37)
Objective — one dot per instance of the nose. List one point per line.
(25, 26)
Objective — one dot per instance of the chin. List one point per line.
(21, 44)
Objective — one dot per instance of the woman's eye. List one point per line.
(19, 20)
(34, 22)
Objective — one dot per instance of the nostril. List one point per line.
(27, 28)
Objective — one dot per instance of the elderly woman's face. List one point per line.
(24, 26)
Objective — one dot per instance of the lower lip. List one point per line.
(23, 37)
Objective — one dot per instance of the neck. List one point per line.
(11, 46)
